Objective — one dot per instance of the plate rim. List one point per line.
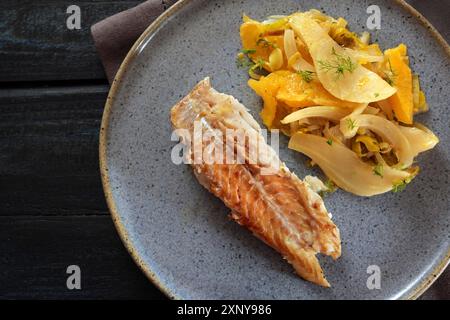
(138, 45)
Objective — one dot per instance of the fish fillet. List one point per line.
(263, 195)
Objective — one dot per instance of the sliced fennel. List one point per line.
(348, 125)
(330, 113)
(354, 83)
(290, 48)
(420, 138)
(344, 167)
(389, 132)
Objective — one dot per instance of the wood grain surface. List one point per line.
(53, 213)
(49, 151)
(37, 45)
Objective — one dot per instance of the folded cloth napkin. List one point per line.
(114, 36)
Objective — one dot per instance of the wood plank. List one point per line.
(35, 43)
(49, 151)
(37, 250)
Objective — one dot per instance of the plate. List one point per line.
(180, 234)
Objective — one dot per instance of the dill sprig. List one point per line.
(266, 44)
(340, 64)
(351, 124)
(399, 187)
(378, 170)
(331, 187)
(248, 51)
(243, 59)
(306, 75)
(390, 75)
(259, 65)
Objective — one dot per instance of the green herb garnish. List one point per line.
(399, 187)
(248, 51)
(331, 187)
(243, 60)
(378, 170)
(390, 76)
(339, 65)
(376, 94)
(259, 65)
(266, 44)
(351, 124)
(307, 76)
(330, 141)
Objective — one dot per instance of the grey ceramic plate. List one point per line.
(180, 235)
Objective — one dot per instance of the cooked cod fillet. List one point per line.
(263, 195)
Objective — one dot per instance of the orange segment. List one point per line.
(402, 101)
(251, 32)
(267, 88)
(287, 88)
(298, 93)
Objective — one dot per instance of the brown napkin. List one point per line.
(114, 36)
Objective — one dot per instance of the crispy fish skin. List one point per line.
(278, 207)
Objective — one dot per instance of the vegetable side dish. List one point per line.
(343, 102)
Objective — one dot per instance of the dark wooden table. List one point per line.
(52, 209)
